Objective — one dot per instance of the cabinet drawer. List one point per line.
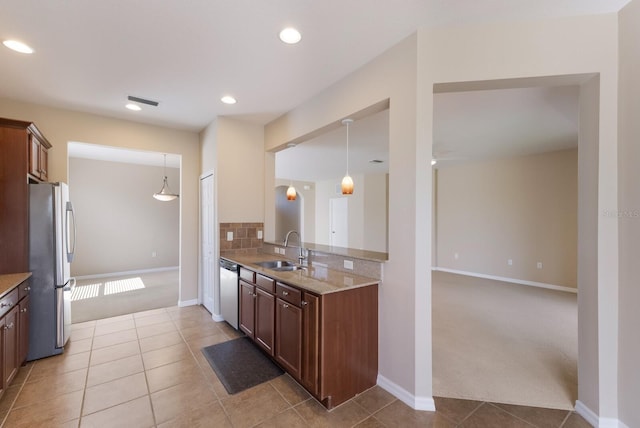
(265, 283)
(288, 294)
(8, 301)
(23, 289)
(248, 275)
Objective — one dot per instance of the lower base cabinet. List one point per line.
(328, 342)
(14, 333)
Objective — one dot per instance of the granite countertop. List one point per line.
(316, 279)
(10, 281)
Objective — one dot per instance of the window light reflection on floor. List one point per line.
(87, 291)
(123, 285)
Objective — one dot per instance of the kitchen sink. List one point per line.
(280, 265)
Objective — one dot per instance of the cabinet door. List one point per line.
(289, 337)
(23, 330)
(43, 162)
(310, 342)
(34, 156)
(265, 320)
(10, 345)
(247, 308)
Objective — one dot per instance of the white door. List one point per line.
(338, 222)
(208, 264)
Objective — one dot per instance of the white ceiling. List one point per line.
(90, 54)
(115, 154)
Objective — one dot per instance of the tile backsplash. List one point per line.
(245, 237)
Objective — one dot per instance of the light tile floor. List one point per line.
(146, 370)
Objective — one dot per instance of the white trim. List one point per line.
(513, 280)
(128, 272)
(184, 303)
(591, 417)
(217, 318)
(586, 413)
(417, 403)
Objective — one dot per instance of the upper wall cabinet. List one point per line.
(23, 158)
(38, 156)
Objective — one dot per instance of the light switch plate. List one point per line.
(348, 264)
(229, 236)
(259, 234)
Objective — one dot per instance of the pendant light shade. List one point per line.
(347, 181)
(165, 194)
(291, 193)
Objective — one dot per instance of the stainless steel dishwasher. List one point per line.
(229, 292)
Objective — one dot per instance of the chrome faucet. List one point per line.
(286, 239)
(302, 253)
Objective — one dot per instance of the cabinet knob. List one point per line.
(285, 293)
(23, 310)
(254, 295)
(27, 288)
(304, 303)
(285, 306)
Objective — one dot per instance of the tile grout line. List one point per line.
(470, 413)
(86, 378)
(566, 418)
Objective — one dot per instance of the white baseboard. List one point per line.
(125, 273)
(217, 318)
(513, 280)
(417, 403)
(591, 417)
(184, 303)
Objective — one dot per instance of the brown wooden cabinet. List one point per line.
(257, 314)
(328, 342)
(23, 330)
(24, 158)
(14, 331)
(38, 158)
(288, 350)
(10, 346)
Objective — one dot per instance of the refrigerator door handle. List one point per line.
(71, 218)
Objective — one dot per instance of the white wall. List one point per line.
(234, 150)
(628, 211)
(367, 213)
(63, 126)
(568, 46)
(406, 75)
(119, 223)
(525, 209)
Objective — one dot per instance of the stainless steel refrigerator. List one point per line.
(51, 247)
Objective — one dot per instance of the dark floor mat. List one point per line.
(240, 364)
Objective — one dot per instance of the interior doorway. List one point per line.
(468, 267)
(128, 257)
(339, 222)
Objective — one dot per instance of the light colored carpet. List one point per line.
(106, 297)
(505, 343)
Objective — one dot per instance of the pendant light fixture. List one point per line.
(347, 181)
(291, 192)
(165, 194)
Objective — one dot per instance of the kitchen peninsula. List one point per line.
(319, 324)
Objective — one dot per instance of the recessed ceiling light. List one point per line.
(290, 36)
(228, 99)
(17, 46)
(134, 107)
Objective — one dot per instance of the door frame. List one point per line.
(215, 315)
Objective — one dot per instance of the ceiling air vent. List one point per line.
(142, 101)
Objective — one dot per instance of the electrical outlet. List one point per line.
(539, 265)
(230, 236)
(283, 251)
(455, 256)
(259, 234)
(276, 250)
(510, 262)
(154, 254)
(348, 264)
